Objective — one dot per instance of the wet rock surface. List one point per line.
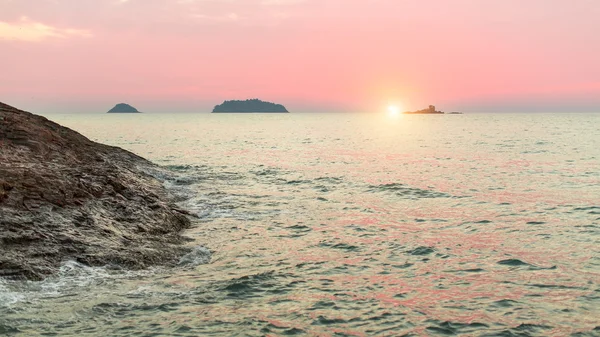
(64, 197)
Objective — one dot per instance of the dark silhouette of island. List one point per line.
(430, 110)
(123, 108)
(249, 105)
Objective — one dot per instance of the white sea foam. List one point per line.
(199, 255)
(9, 296)
(71, 278)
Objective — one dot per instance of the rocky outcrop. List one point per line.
(123, 108)
(64, 197)
(249, 105)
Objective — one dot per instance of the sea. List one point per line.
(361, 224)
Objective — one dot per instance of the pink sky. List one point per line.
(311, 55)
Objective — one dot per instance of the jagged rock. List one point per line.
(64, 197)
(249, 105)
(123, 108)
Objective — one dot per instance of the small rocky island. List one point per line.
(123, 108)
(64, 197)
(249, 105)
(430, 110)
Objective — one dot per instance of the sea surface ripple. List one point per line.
(349, 225)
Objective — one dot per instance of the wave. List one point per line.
(407, 192)
(73, 276)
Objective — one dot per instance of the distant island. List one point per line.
(123, 108)
(430, 110)
(249, 105)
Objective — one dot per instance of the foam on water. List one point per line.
(8, 297)
(72, 277)
(198, 256)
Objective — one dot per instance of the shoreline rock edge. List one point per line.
(64, 197)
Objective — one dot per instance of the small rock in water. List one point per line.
(199, 255)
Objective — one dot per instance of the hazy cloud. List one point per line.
(27, 30)
(280, 2)
(217, 18)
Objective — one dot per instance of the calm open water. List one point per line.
(350, 225)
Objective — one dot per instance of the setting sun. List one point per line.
(393, 110)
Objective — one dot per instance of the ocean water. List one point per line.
(349, 225)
